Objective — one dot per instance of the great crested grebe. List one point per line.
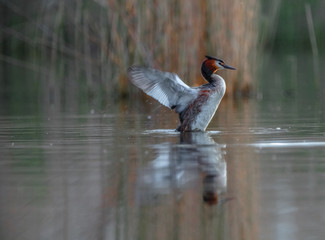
(195, 105)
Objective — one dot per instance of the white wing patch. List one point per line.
(165, 87)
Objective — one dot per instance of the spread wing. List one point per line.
(165, 87)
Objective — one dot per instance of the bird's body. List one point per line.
(199, 113)
(195, 105)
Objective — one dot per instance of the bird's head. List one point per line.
(211, 65)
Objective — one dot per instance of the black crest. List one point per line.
(217, 59)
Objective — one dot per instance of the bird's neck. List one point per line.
(208, 73)
(210, 79)
(216, 82)
(213, 79)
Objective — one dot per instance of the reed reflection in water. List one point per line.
(91, 177)
(183, 190)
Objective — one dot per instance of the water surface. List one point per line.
(257, 173)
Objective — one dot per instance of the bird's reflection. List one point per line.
(179, 167)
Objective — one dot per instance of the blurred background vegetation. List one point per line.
(71, 53)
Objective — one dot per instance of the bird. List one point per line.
(195, 105)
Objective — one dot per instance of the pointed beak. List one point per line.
(229, 67)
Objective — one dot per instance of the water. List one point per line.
(258, 173)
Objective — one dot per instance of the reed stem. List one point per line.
(313, 42)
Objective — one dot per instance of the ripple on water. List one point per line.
(172, 132)
(268, 130)
(283, 144)
(161, 131)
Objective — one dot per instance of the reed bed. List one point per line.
(99, 39)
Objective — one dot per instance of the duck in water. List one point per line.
(195, 105)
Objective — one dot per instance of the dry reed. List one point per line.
(103, 38)
(175, 35)
(313, 42)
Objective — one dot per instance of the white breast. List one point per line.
(209, 108)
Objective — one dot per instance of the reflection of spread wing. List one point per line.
(165, 87)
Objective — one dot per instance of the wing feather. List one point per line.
(165, 87)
